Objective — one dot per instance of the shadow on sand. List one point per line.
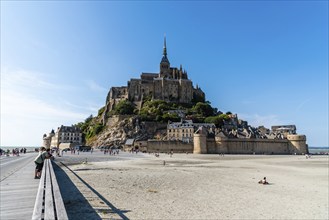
(77, 207)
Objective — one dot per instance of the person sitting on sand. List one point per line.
(263, 181)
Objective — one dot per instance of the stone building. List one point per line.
(285, 130)
(171, 84)
(184, 130)
(67, 134)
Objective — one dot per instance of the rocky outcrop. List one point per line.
(117, 132)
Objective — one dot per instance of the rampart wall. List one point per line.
(247, 146)
(166, 146)
(203, 145)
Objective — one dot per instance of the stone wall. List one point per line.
(297, 144)
(167, 146)
(294, 144)
(202, 145)
(247, 146)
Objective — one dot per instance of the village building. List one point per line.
(67, 134)
(285, 130)
(184, 130)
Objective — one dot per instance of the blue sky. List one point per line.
(267, 61)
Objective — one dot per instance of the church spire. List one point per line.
(164, 64)
(164, 57)
(164, 47)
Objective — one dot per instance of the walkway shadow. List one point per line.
(76, 205)
(86, 212)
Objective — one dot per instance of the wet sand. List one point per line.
(203, 187)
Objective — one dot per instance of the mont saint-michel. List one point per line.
(170, 84)
(165, 112)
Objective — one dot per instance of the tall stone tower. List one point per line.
(47, 139)
(200, 141)
(297, 144)
(164, 64)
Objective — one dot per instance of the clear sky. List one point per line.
(266, 61)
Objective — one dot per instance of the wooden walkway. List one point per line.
(18, 192)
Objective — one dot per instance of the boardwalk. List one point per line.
(18, 188)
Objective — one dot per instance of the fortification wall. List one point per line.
(248, 146)
(167, 146)
(297, 144)
(202, 145)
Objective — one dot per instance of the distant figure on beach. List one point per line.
(263, 181)
(39, 160)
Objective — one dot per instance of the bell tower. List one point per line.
(164, 64)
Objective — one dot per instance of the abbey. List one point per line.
(170, 84)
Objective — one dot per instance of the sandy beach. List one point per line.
(199, 187)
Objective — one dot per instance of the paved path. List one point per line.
(18, 188)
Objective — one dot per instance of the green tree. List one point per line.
(101, 111)
(98, 128)
(203, 109)
(218, 120)
(87, 120)
(124, 107)
(154, 110)
(170, 117)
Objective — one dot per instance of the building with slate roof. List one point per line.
(184, 130)
(67, 134)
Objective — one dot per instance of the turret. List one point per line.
(297, 144)
(52, 133)
(200, 141)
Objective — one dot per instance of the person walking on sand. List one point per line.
(39, 160)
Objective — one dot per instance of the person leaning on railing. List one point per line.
(39, 160)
